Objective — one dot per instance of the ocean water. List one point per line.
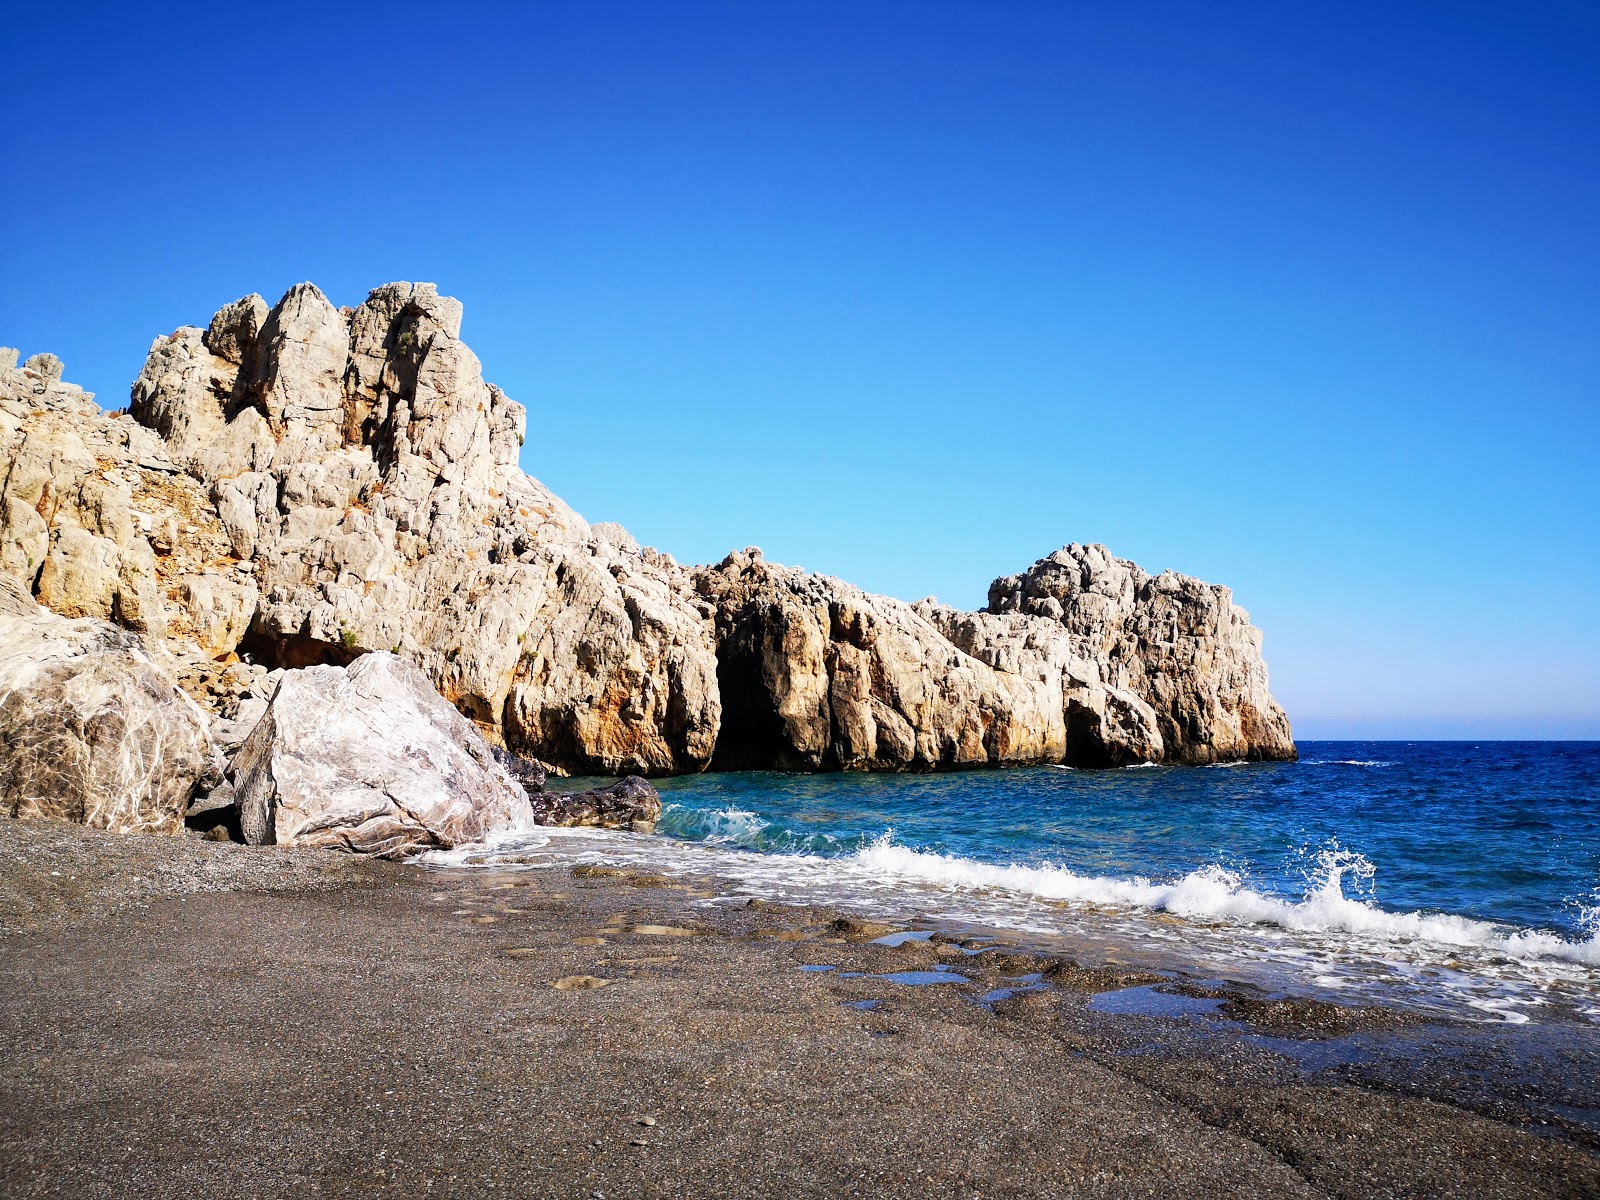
(1457, 877)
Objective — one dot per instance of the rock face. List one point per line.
(1182, 646)
(300, 485)
(371, 759)
(93, 731)
(365, 477)
(630, 804)
(818, 675)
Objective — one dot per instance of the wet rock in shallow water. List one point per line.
(1011, 964)
(629, 804)
(1068, 974)
(1311, 1019)
(858, 929)
(530, 773)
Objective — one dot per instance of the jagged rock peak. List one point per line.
(269, 387)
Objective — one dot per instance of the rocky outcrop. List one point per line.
(370, 759)
(93, 731)
(818, 675)
(630, 804)
(300, 485)
(367, 477)
(1182, 646)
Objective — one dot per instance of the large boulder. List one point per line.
(369, 758)
(93, 730)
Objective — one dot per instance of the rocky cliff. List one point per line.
(302, 484)
(1182, 646)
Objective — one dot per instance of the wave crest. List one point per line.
(1214, 893)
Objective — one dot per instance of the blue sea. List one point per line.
(1457, 877)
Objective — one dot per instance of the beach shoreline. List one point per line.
(260, 1022)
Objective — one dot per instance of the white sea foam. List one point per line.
(1215, 893)
(1335, 936)
(1345, 762)
(733, 827)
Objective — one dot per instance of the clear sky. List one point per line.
(1303, 299)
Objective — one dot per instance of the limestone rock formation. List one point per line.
(818, 675)
(302, 484)
(371, 759)
(92, 730)
(1181, 645)
(299, 485)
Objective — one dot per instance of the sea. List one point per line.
(1460, 879)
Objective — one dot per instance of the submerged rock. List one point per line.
(369, 759)
(629, 804)
(93, 730)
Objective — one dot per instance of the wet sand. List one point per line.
(267, 1023)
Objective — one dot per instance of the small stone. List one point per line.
(647, 1121)
(571, 983)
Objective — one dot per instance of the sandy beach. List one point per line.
(252, 1022)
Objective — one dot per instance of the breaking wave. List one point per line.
(1218, 894)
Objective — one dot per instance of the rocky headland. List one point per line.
(237, 605)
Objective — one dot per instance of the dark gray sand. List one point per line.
(344, 1028)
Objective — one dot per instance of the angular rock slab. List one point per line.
(92, 730)
(630, 804)
(369, 758)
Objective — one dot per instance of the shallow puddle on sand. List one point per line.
(922, 978)
(1020, 985)
(900, 939)
(1148, 1001)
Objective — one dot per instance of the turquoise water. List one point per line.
(1456, 877)
(1505, 832)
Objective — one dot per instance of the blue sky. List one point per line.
(1304, 300)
